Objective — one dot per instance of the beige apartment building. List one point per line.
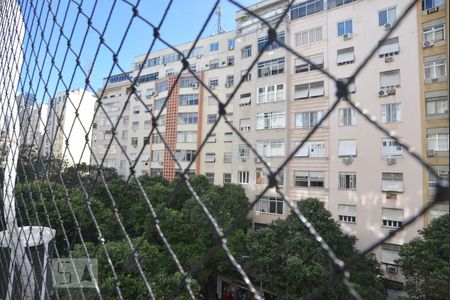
(367, 181)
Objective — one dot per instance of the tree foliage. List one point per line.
(424, 262)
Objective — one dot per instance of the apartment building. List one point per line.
(67, 134)
(368, 182)
(433, 64)
(32, 118)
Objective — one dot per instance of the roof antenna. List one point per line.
(219, 29)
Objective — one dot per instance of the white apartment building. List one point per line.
(367, 181)
(67, 134)
(33, 117)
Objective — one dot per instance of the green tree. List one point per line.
(424, 262)
(289, 261)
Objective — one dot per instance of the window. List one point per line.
(244, 150)
(162, 86)
(435, 66)
(246, 51)
(146, 140)
(245, 99)
(226, 178)
(125, 120)
(271, 93)
(275, 45)
(389, 47)
(243, 177)
(187, 118)
(188, 99)
(156, 138)
(392, 218)
(308, 119)
(345, 27)
(244, 125)
(186, 137)
(159, 103)
(147, 124)
(135, 125)
(347, 116)
(211, 138)
(153, 61)
(437, 141)
(134, 142)
(438, 210)
(227, 157)
(230, 61)
(347, 148)
(430, 4)
(161, 120)
(136, 109)
(309, 179)
(231, 44)
(188, 82)
(433, 180)
(301, 65)
(229, 81)
(346, 56)
(270, 120)
(246, 77)
(311, 149)
(270, 148)
(213, 82)
(390, 253)
(210, 157)
(347, 213)
(185, 155)
(171, 58)
(228, 137)
(434, 31)
(170, 72)
(337, 3)
(390, 113)
(210, 177)
(309, 36)
(309, 90)
(214, 47)
(390, 147)
(306, 8)
(212, 118)
(214, 64)
(269, 204)
(389, 79)
(347, 181)
(271, 67)
(392, 182)
(148, 77)
(387, 16)
(125, 134)
(437, 104)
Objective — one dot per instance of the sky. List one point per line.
(182, 24)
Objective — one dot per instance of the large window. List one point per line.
(347, 213)
(157, 155)
(306, 8)
(185, 155)
(435, 66)
(227, 157)
(271, 93)
(308, 36)
(263, 40)
(270, 148)
(301, 65)
(270, 120)
(210, 177)
(188, 99)
(214, 64)
(437, 141)
(271, 67)
(186, 137)
(392, 218)
(387, 16)
(269, 204)
(210, 157)
(187, 118)
(434, 31)
(389, 47)
(442, 172)
(345, 27)
(311, 149)
(310, 179)
(431, 4)
(390, 147)
(245, 99)
(188, 82)
(391, 113)
(392, 182)
(347, 116)
(148, 77)
(309, 90)
(226, 178)
(347, 181)
(244, 150)
(308, 119)
(337, 3)
(437, 104)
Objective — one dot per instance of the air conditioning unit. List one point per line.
(391, 161)
(227, 85)
(347, 36)
(391, 92)
(431, 153)
(391, 196)
(389, 59)
(428, 44)
(383, 93)
(387, 25)
(195, 86)
(392, 269)
(224, 62)
(347, 160)
(231, 48)
(432, 10)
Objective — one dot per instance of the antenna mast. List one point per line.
(219, 29)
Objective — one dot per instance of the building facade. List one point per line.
(367, 181)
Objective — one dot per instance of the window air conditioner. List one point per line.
(257, 160)
(431, 153)
(383, 93)
(231, 48)
(388, 59)
(227, 85)
(347, 36)
(392, 269)
(391, 161)
(432, 10)
(195, 86)
(211, 87)
(347, 160)
(387, 25)
(428, 44)
(224, 62)
(391, 91)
